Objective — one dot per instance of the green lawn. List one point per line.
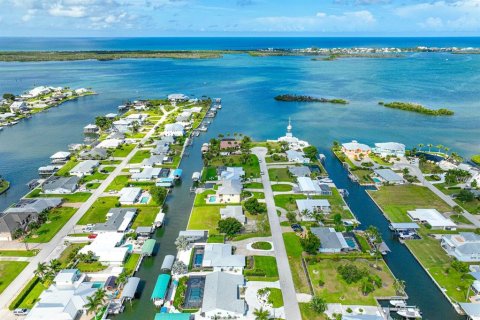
(275, 297)
(251, 167)
(29, 295)
(209, 174)
(264, 269)
(471, 206)
(336, 290)
(294, 252)
(95, 176)
(309, 314)
(379, 160)
(123, 150)
(253, 185)
(18, 253)
(93, 185)
(64, 171)
(98, 211)
(131, 263)
(200, 198)
(9, 270)
(363, 175)
(95, 266)
(205, 218)
(139, 156)
(460, 219)
(262, 245)
(258, 195)
(145, 216)
(56, 220)
(280, 174)
(216, 238)
(74, 197)
(118, 183)
(108, 169)
(282, 187)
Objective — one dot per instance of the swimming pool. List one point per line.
(376, 180)
(212, 199)
(351, 242)
(129, 246)
(198, 257)
(194, 293)
(144, 200)
(98, 285)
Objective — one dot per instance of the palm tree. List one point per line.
(446, 150)
(261, 314)
(439, 147)
(92, 305)
(55, 265)
(41, 270)
(429, 147)
(122, 278)
(399, 286)
(318, 304)
(420, 146)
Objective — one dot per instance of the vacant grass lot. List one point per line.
(74, 197)
(118, 183)
(294, 252)
(395, 201)
(282, 187)
(56, 220)
(95, 176)
(264, 269)
(336, 290)
(280, 174)
(205, 218)
(209, 174)
(139, 156)
(98, 211)
(9, 270)
(145, 216)
(123, 150)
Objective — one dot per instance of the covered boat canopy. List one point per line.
(130, 288)
(161, 286)
(167, 263)
(172, 316)
(159, 219)
(148, 246)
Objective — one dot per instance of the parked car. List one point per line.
(296, 227)
(92, 236)
(21, 312)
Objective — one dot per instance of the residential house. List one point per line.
(464, 246)
(110, 143)
(229, 143)
(85, 168)
(307, 185)
(300, 171)
(388, 176)
(355, 149)
(118, 220)
(220, 257)
(147, 174)
(393, 149)
(296, 156)
(331, 241)
(122, 125)
(228, 173)
(229, 191)
(91, 128)
(154, 160)
(95, 153)
(130, 195)
(174, 130)
(313, 206)
(107, 248)
(177, 97)
(19, 107)
(233, 212)
(432, 217)
(222, 296)
(293, 142)
(65, 299)
(194, 235)
(60, 157)
(60, 185)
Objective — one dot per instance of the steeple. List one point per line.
(289, 128)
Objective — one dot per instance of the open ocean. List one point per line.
(247, 86)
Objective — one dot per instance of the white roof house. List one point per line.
(464, 246)
(331, 241)
(64, 299)
(18, 106)
(232, 173)
(313, 205)
(110, 143)
(177, 97)
(106, 248)
(147, 174)
(307, 185)
(130, 195)
(434, 218)
(173, 130)
(389, 149)
(84, 168)
(221, 296)
(233, 212)
(296, 156)
(36, 92)
(60, 155)
(388, 175)
(355, 147)
(219, 256)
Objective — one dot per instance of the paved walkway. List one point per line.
(416, 171)
(292, 310)
(54, 248)
(254, 303)
(243, 247)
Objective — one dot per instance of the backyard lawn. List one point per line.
(123, 150)
(282, 187)
(95, 176)
(18, 253)
(145, 216)
(98, 211)
(200, 198)
(205, 218)
(209, 174)
(29, 296)
(139, 156)
(280, 174)
(131, 263)
(9, 270)
(118, 183)
(294, 252)
(253, 185)
(264, 269)
(57, 218)
(251, 167)
(337, 290)
(63, 171)
(74, 197)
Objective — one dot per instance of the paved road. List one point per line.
(292, 310)
(54, 248)
(416, 171)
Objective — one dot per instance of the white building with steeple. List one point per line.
(293, 142)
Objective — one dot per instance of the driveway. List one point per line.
(292, 310)
(254, 303)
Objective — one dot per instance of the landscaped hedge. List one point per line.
(179, 298)
(24, 293)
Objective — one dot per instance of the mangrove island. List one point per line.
(301, 98)
(413, 107)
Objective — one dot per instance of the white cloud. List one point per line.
(347, 21)
(59, 10)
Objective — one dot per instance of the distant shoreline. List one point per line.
(316, 53)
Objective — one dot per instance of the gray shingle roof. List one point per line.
(54, 182)
(222, 292)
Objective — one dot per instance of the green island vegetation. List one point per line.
(395, 201)
(303, 98)
(336, 56)
(4, 185)
(476, 159)
(413, 107)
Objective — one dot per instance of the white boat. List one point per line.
(410, 313)
(398, 303)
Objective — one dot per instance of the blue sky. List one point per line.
(239, 18)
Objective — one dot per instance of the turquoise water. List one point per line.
(247, 86)
(129, 246)
(144, 200)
